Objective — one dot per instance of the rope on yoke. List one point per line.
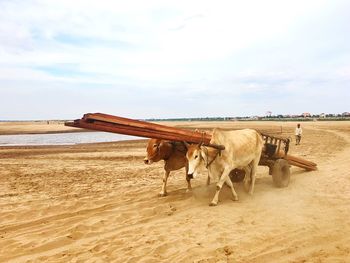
(218, 152)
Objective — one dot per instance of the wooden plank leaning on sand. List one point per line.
(297, 161)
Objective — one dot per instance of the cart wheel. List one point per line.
(281, 173)
(237, 175)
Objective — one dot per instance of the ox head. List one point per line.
(194, 157)
(154, 151)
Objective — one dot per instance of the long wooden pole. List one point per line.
(194, 137)
(134, 131)
(143, 125)
(115, 124)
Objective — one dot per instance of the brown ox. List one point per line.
(242, 150)
(174, 156)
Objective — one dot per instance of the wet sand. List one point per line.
(99, 203)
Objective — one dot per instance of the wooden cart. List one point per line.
(274, 155)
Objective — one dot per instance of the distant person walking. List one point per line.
(298, 133)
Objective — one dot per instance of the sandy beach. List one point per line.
(99, 203)
(35, 127)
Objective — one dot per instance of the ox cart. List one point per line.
(274, 154)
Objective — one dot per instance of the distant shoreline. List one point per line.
(35, 127)
(328, 117)
(43, 132)
(52, 127)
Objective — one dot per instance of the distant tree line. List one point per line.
(279, 117)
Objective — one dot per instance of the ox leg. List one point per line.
(247, 178)
(208, 180)
(188, 179)
(230, 184)
(165, 179)
(253, 173)
(219, 185)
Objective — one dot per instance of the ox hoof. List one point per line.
(235, 198)
(189, 190)
(162, 194)
(246, 186)
(213, 204)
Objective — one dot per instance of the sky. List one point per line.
(172, 59)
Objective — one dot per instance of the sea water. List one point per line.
(61, 138)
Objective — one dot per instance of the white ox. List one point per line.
(242, 150)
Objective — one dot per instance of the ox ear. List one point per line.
(187, 145)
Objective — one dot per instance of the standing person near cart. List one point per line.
(298, 133)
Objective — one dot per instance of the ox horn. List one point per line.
(186, 144)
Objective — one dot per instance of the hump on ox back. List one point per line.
(174, 156)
